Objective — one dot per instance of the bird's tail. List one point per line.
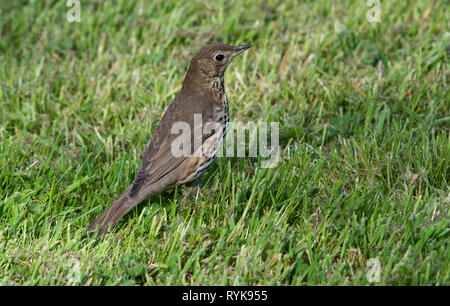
(123, 204)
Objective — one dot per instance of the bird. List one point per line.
(172, 158)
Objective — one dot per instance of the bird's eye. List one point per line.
(219, 57)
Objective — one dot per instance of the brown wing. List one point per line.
(158, 159)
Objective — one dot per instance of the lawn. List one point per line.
(360, 195)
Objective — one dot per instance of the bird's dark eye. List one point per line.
(219, 57)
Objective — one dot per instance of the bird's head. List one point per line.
(212, 60)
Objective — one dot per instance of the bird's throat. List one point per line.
(218, 84)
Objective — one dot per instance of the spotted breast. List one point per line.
(221, 117)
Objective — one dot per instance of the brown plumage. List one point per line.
(202, 93)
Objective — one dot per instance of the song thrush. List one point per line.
(202, 95)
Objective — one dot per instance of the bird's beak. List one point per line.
(240, 49)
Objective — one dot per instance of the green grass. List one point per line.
(364, 114)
